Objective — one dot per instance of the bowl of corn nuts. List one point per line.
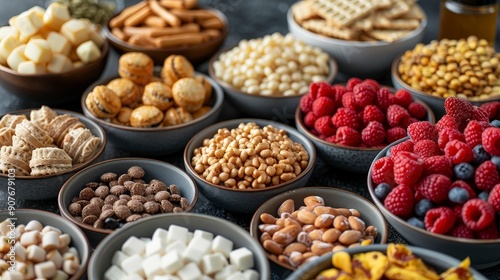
(265, 77)
(467, 68)
(239, 164)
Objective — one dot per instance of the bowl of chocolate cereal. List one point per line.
(110, 194)
(41, 148)
(239, 164)
(363, 40)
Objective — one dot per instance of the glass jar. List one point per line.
(463, 18)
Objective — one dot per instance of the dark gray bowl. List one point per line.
(333, 197)
(156, 140)
(154, 169)
(47, 186)
(101, 259)
(248, 200)
(78, 239)
(439, 261)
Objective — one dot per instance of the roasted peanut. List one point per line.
(313, 201)
(268, 218)
(288, 206)
(294, 247)
(286, 235)
(306, 217)
(331, 235)
(350, 236)
(319, 247)
(272, 247)
(341, 223)
(356, 223)
(324, 221)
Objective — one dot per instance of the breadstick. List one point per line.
(119, 34)
(211, 23)
(180, 39)
(127, 12)
(161, 31)
(155, 21)
(166, 15)
(179, 4)
(138, 17)
(141, 40)
(211, 33)
(189, 14)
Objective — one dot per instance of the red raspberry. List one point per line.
(395, 133)
(458, 151)
(309, 119)
(407, 168)
(306, 102)
(325, 89)
(480, 114)
(400, 201)
(462, 111)
(348, 101)
(439, 220)
(352, 82)
(372, 113)
(494, 197)
(486, 176)
(445, 122)
(397, 116)
(364, 95)
(403, 98)
(323, 106)
(324, 126)
(472, 133)
(403, 146)
(373, 134)
(331, 139)
(490, 232)
(417, 110)
(426, 148)
(491, 140)
(438, 165)
(339, 91)
(448, 134)
(348, 136)
(460, 230)
(383, 171)
(421, 130)
(457, 208)
(464, 185)
(346, 117)
(492, 109)
(382, 99)
(477, 214)
(372, 83)
(435, 187)
(313, 89)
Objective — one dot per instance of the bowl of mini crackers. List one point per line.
(362, 36)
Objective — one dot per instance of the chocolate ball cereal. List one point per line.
(136, 172)
(108, 177)
(102, 192)
(86, 194)
(151, 207)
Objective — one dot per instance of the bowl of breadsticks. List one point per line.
(161, 28)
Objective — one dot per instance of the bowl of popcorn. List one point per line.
(467, 68)
(349, 124)
(391, 261)
(180, 246)
(440, 187)
(239, 164)
(363, 37)
(41, 148)
(163, 28)
(265, 77)
(41, 245)
(298, 226)
(110, 194)
(48, 56)
(166, 105)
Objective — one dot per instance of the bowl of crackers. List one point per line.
(166, 105)
(162, 28)
(41, 148)
(363, 36)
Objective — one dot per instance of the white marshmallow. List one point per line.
(238, 275)
(146, 240)
(118, 257)
(134, 276)
(205, 234)
(206, 277)
(152, 266)
(178, 246)
(222, 245)
(60, 275)
(251, 274)
(154, 247)
(55, 257)
(132, 264)
(59, 64)
(189, 272)
(20, 252)
(38, 51)
(50, 228)
(39, 11)
(114, 273)
(35, 253)
(225, 272)
(33, 225)
(211, 264)
(242, 258)
(171, 262)
(45, 270)
(160, 234)
(56, 15)
(16, 56)
(58, 43)
(50, 240)
(133, 246)
(12, 275)
(166, 277)
(76, 31)
(27, 269)
(176, 232)
(8, 44)
(30, 67)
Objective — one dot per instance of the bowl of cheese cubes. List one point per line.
(48, 56)
(179, 246)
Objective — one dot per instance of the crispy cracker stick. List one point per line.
(180, 39)
(133, 30)
(127, 12)
(172, 4)
(212, 33)
(155, 21)
(164, 14)
(196, 14)
(141, 40)
(138, 17)
(186, 28)
(211, 23)
(119, 34)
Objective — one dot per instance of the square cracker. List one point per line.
(321, 27)
(341, 13)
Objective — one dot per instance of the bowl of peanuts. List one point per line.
(162, 28)
(300, 225)
(265, 77)
(57, 249)
(467, 68)
(110, 194)
(239, 164)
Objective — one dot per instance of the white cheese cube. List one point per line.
(154, 247)
(30, 67)
(28, 23)
(114, 273)
(166, 277)
(59, 64)
(189, 237)
(225, 272)
(178, 246)
(6, 30)
(238, 275)
(76, 31)
(133, 246)
(12, 275)
(134, 276)
(171, 262)
(132, 264)
(56, 15)
(205, 234)
(160, 234)
(242, 258)
(189, 272)
(118, 257)
(88, 52)
(175, 233)
(39, 11)
(58, 43)
(38, 50)
(211, 264)
(222, 245)
(222, 258)
(195, 250)
(152, 266)
(251, 274)
(8, 44)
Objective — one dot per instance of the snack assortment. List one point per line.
(273, 65)
(47, 143)
(121, 198)
(364, 20)
(165, 24)
(139, 99)
(40, 41)
(298, 235)
(41, 252)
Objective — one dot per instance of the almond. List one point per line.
(350, 236)
(269, 228)
(268, 218)
(306, 217)
(319, 248)
(331, 235)
(313, 201)
(324, 221)
(288, 206)
(286, 235)
(272, 247)
(294, 247)
(356, 223)
(341, 223)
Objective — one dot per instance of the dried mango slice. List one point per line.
(374, 262)
(342, 261)
(395, 272)
(461, 272)
(334, 273)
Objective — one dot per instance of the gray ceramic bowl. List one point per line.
(47, 187)
(154, 169)
(440, 262)
(156, 140)
(483, 253)
(275, 107)
(248, 200)
(101, 259)
(353, 159)
(78, 239)
(333, 197)
(360, 59)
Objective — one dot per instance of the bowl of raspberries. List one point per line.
(350, 124)
(440, 186)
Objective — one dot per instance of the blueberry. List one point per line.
(458, 195)
(480, 155)
(495, 123)
(463, 171)
(382, 190)
(496, 161)
(483, 196)
(422, 207)
(111, 223)
(416, 222)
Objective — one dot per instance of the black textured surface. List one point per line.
(248, 19)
